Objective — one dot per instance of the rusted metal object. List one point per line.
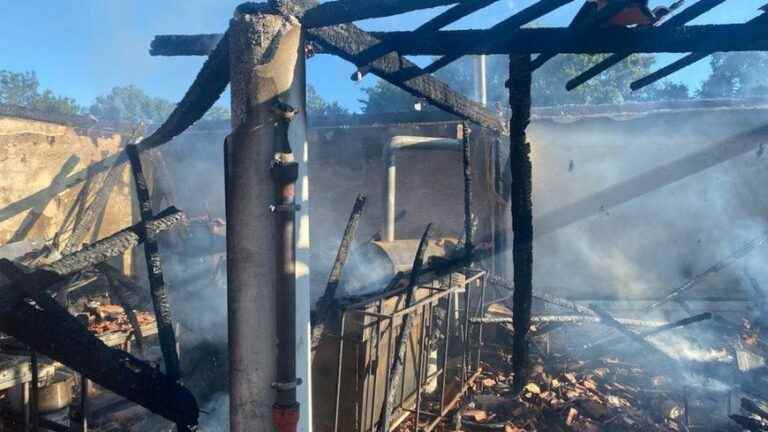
(157, 286)
(522, 209)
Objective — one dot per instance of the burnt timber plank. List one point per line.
(348, 41)
(162, 306)
(49, 329)
(685, 39)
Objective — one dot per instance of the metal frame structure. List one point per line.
(458, 325)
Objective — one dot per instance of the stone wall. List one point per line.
(39, 160)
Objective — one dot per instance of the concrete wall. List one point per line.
(36, 158)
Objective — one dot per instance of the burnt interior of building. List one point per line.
(401, 293)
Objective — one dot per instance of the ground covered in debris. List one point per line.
(620, 388)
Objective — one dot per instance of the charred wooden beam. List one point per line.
(348, 42)
(750, 32)
(90, 255)
(719, 266)
(752, 408)
(699, 8)
(581, 27)
(162, 305)
(469, 229)
(503, 31)
(350, 232)
(651, 180)
(188, 45)
(86, 220)
(398, 362)
(685, 39)
(346, 11)
(522, 210)
(608, 40)
(571, 319)
(448, 17)
(610, 321)
(115, 244)
(49, 329)
(749, 423)
(658, 330)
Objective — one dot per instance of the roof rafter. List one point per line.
(682, 18)
(754, 31)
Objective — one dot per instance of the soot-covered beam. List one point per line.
(93, 254)
(685, 39)
(502, 31)
(579, 27)
(347, 11)
(689, 14)
(448, 17)
(348, 41)
(158, 290)
(752, 31)
(521, 200)
(51, 330)
(710, 37)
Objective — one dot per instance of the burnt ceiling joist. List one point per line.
(347, 41)
(679, 20)
(713, 38)
(698, 38)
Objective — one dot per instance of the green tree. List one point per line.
(385, 97)
(317, 106)
(23, 89)
(130, 104)
(736, 75)
(610, 87)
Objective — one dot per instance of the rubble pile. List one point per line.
(108, 318)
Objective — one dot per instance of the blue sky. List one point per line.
(83, 48)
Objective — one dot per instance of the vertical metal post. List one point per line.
(522, 211)
(85, 385)
(481, 313)
(446, 346)
(34, 410)
(266, 60)
(339, 363)
(423, 347)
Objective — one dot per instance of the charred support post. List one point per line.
(522, 210)
(350, 232)
(266, 63)
(469, 230)
(154, 270)
(398, 363)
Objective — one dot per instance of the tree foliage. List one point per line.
(23, 89)
(736, 75)
(610, 87)
(317, 106)
(131, 104)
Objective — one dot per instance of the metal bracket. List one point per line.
(287, 386)
(284, 208)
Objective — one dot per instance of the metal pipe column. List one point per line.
(266, 59)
